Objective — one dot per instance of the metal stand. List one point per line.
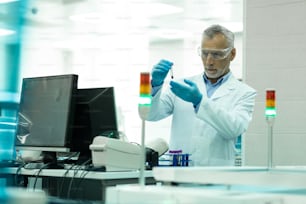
(270, 122)
(143, 155)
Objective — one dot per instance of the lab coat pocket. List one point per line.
(201, 137)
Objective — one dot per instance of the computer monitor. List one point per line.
(55, 116)
(95, 114)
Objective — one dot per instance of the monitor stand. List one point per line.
(50, 160)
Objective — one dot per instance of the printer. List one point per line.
(118, 155)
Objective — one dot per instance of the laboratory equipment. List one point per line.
(270, 113)
(114, 154)
(143, 111)
(175, 158)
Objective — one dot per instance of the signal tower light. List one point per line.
(270, 113)
(145, 97)
(270, 110)
(144, 106)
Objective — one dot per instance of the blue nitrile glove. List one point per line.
(188, 92)
(160, 71)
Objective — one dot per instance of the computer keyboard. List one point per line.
(34, 165)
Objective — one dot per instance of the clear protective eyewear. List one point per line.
(214, 53)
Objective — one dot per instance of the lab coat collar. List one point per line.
(228, 86)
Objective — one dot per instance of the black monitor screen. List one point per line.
(46, 112)
(95, 114)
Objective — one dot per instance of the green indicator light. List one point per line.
(270, 112)
(145, 100)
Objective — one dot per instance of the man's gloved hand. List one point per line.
(188, 92)
(160, 71)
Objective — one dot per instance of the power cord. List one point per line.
(74, 175)
(63, 179)
(18, 173)
(38, 172)
(88, 169)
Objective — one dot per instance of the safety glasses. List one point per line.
(214, 53)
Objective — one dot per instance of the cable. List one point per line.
(36, 177)
(88, 169)
(71, 181)
(75, 173)
(18, 173)
(63, 179)
(82, 176)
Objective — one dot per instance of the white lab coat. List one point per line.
(210, 134)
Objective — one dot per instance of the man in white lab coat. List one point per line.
(209, 110)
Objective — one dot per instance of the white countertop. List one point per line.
(292, 177)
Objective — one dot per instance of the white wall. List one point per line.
(275, 53)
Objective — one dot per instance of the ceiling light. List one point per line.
(155, 9)
(127, 11)
(170, 34)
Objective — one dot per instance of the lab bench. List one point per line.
(217, 185)
(71, 184)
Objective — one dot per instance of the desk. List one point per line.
(74, 184)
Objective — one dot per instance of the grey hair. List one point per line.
(212, 30)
